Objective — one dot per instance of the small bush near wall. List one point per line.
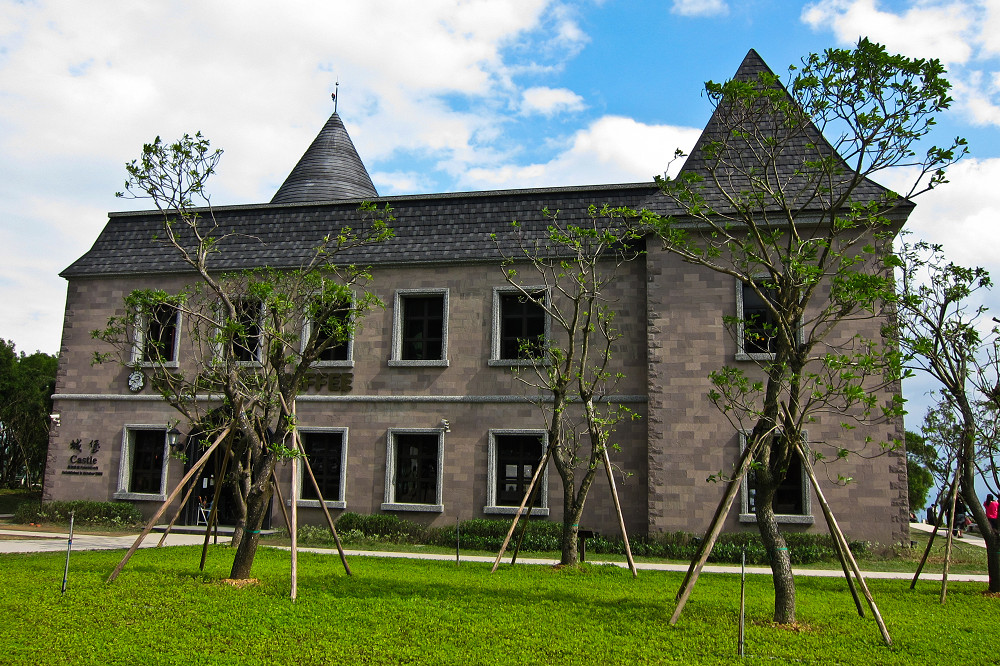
(104, 514)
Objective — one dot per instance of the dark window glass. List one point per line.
(517, 456)
(522, 326)
(161, 334)
(333, 329)
(758, 323)
(423, 327)
(247, 339)
(325, 451)
(416, 468)
(788, 497)
(147, 461)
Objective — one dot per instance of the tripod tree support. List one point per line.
(213, 515)
(618, 509)
(930, 541)
(163, 507)
(838, 535)
(517, 515)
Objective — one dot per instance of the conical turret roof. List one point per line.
(330, 170)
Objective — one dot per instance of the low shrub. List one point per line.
(382, 526)
(488, 534)
(103, 514)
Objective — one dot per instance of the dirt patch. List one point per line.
(240, 582)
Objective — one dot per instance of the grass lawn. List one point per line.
(162, 610)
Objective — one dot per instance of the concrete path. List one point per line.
(967, 537)
(40, 542)
(47, 542)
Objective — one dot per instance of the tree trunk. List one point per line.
(257, 504)
(777, 551)
(570, 552)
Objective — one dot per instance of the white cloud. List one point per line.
(963, 34)
(612, 149)
(700, 7)
(550, 101)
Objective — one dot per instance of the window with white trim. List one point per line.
(336, 330)
(248, 331)
(414, 460)
(792, 502)
(755, 327)
(520, 325)
(156, 337)
(514, 456)
(420, 327)
(326, 449)
(142, 474)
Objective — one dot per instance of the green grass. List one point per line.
(162, 610)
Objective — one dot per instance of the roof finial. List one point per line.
(336, 87)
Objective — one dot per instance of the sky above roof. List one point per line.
(438, 96)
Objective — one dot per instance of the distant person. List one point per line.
(960, 516)
(991, 506)
(932, 515)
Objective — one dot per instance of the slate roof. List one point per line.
(432, 228)
(329, 170)
(782, 165)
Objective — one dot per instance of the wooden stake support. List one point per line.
(930, 541)
(163, 507)
(618, 509)
(520, 509)
(213, 515)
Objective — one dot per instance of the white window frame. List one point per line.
(741, 353)
(302, 477)
(258, 361)
(139, 341)
(397, 359)
(125, 465)
(542, 500)
(806, 518)
(390, 503)
(498, 293)
(346, 363)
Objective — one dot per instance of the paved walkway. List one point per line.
(967, 536)
(40, 542)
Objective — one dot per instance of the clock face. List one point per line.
(136, 380)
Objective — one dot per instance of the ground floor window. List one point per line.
(791, 501)
(143, 471)
(327, 454)
(413, 470)
(513, 459)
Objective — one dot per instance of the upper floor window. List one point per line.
(156, 336)
(756, 324)
(420, 327)
(336, 334)
(248, 329)
(520, 326)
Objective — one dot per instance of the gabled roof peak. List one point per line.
(329, 170)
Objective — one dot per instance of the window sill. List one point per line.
(167, 364)
(516, 362)
(413, 363)
(314, 504)
(141, 497)
(743, 356)
(333, 364)
(781, 518)
(511, 510)
(426, 508)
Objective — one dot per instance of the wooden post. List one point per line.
(618, 508)
(520, 509)
(705, 549)
(294, 531)
(281, 501)
(177, 513)
(524, 527)
(845, 567)
(951, 532)
(213, 515)
(163, 507)
(930, 541)
(835, 530)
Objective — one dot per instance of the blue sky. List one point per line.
(440, 95)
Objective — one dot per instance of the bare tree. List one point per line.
(256, 333)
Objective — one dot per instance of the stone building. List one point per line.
(452, 408)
